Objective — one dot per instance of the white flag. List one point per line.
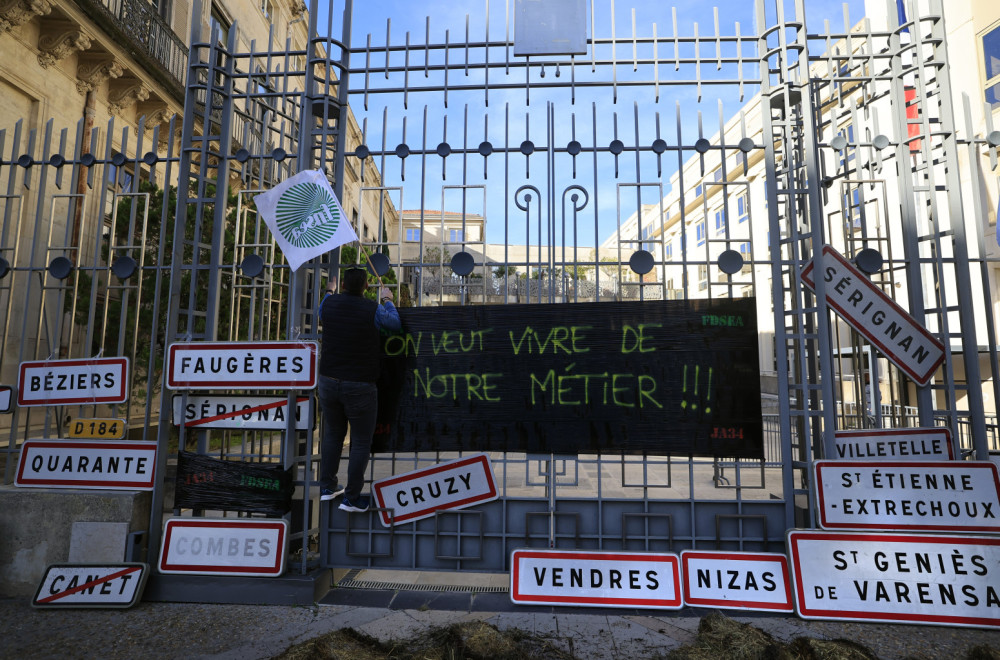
(305, 217)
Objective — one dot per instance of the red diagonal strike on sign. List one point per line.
(238, 413)
(87, 585)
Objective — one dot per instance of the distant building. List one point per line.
(95, 72)
(715, 210)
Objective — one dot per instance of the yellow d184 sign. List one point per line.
(107, 429)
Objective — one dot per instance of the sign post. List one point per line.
(245, 365)
(257, 413)
(204, 546)
(419, 494)
(105, 429)
(914, 578)
(91, 585)
(96, 464)
(906, 444)
(68, 382)
(737, 580)
(594, 578)
(955, 496)
(875, 315)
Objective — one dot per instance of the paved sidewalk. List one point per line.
(247, 632)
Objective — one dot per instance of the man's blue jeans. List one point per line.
(343, 402)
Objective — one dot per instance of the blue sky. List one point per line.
(370, 17)
(680, 114)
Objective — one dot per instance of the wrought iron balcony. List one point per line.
(138, 25)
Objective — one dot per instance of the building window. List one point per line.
(220, 26)
(702, 277)
(119, 181)
(162, 8)
(991, 60)
(700, 232)
(413, 234)
(648, 246)
(262, 99)
(847, 155)
(456, 235)
(669, 251)
(843, 71)
(720, 222)
(742, 208)
(266, 8)
(852, 209)
(747, 259)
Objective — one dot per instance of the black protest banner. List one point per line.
(204, 482)
(660, 377)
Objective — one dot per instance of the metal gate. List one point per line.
(546, 156)
(487, 171)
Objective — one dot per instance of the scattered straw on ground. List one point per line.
(465, 641)
(719, 638)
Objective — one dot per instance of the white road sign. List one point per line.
(737, 580)
(925, 578)
(876, 316)
(66, 382)
(245, 365)
(594, 578)
(955, 496)
(419, 494)
(253, 413)
(91, 585)
(204, 546)
(95, 464)
(908, 444)
(6, 398)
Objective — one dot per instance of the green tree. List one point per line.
(127, 311)
(504, 271)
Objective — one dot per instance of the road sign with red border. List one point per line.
(900, 578)
(952, 496)
(241, 412)
(595, 578)
(67, 382)
(6, 398)
(91, 585)
(737, 580)
(92, 464)
(419, 494)
(205, 546)
(908, 444)
(875, 315)
(245, 365)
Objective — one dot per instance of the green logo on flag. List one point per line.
(307, 215)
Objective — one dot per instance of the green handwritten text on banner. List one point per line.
(661, 377)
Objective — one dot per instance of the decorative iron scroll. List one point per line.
(659, 377)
